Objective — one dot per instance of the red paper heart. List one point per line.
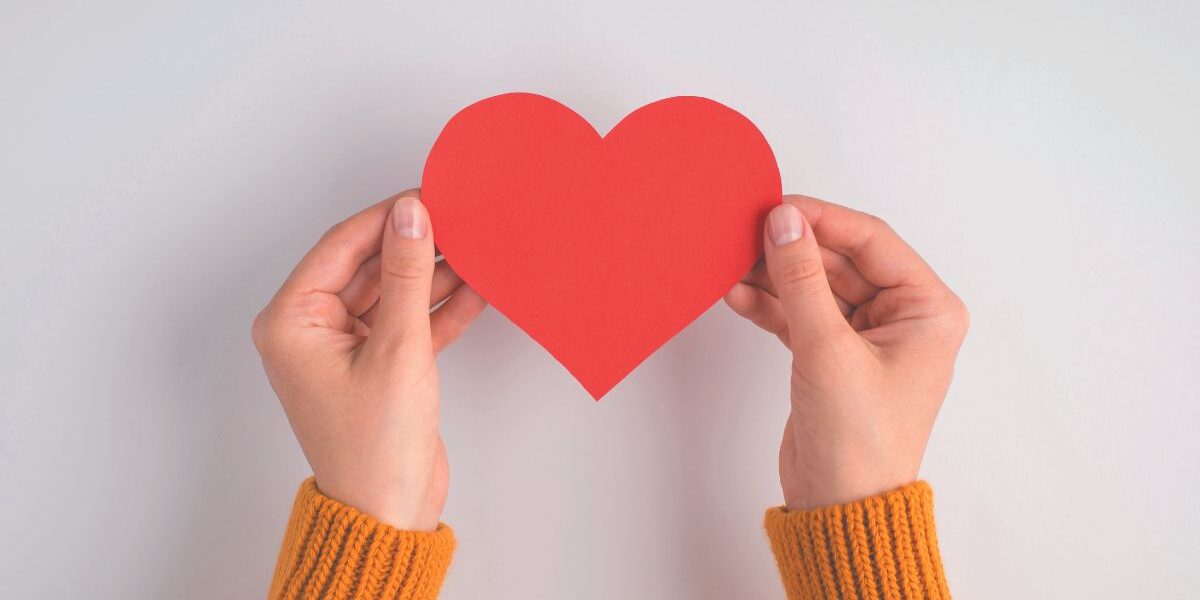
(600, 248)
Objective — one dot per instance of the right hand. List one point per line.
(873, 334)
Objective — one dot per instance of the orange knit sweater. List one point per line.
(881, 548)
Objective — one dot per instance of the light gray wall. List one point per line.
(164, 164)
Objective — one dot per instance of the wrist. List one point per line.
(837, 493)
(831, 482)
(405, 507)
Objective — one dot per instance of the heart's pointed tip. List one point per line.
(598, 390)
(598, 394)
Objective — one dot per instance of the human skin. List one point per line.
(348, 343)
(349, 340)
(873, 334)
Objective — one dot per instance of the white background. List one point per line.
(164, 164)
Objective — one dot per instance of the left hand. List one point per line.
(348, 344)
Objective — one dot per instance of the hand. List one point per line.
(348, 344)
(873, 334)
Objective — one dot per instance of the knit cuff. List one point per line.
(884, 547)
(333, 551)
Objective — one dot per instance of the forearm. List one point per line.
(332, 551)
(884, 547)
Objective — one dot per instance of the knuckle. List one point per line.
(335, 231)
(260, 329)
(801, 271)
(407, 271)
(877, 222)
(960, 313)
(956, 319)
(341, 237)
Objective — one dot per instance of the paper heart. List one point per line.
(600, 248)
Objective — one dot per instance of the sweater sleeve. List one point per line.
(332, 551)
(880, 548)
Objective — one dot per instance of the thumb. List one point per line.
(794, 263)
(406, 275)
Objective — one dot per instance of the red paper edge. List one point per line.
(598, 392)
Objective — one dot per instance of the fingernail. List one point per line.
(785, 224)
(408, 218)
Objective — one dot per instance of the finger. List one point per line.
(757, 306)
(401, 320)
(368, 317)
(845, 276)
(861, 319)
(905, 304)
(760, 278)
(445, 281)
(359, 328)
(794, 262)
(844, 279)
(331, 264)
(760, 308)
(363, 290)
(452, 318)
(844, 307)
(880, 255)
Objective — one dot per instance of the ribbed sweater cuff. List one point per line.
(332, 551)
(881, 548)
